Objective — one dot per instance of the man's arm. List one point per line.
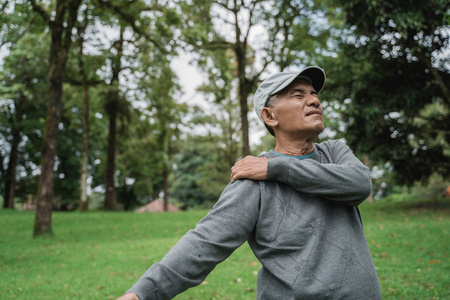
(216, 236)
(346, 179)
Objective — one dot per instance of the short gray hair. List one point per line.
(271, 101)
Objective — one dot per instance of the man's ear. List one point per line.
(269, 117)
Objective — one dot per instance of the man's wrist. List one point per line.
(277, 169)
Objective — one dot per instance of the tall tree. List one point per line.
(403, 31)
(224, 117)
(22, 81)
(287, 34)
(158, 87)
(213, 141)
(396, 99)
(85, 83)
(146, 146)
(83, 73)
(61, 20)
(162, 99)
(149, 28)
(112, 109)
(240, 15)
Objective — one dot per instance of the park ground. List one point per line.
(98, 255)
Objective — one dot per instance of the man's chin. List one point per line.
(319, 128)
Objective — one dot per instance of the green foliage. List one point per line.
(297, 33)
(268, 142)
(146, 113)
(187, 179)
(23, 103)
(204, 162)
(67, 181)
(197, 22)
(226, 43)
(397, 79)
(202, 172)
(18, 19)
(385, 95)
(432, 191)
(430, 194)
(140, 158)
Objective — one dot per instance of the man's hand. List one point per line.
(129, 296)
(250, 167)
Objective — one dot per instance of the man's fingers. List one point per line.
(234, 170)
(234, 174)
(238, 175)
(249, 167)
(238, 167)
(239, 163)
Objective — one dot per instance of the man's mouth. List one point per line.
(314, 112)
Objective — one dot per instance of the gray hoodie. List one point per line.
(302, 224)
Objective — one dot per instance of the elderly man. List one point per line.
(298, 210)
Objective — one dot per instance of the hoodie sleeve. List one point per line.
(225, 228)
(345, 179)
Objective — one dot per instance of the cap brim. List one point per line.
(316, 74)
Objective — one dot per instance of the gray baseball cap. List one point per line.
(278, 81)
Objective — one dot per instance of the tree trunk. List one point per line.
(61, 37)
(240, 49)
(43, 219)
(10, 181)
(85, 150)
(110, 197)
(112, 106)
(85, 123)
(164, 142)
(230, 148)
(243, 101)
(165, 190)
(243, 95)
(366, 162)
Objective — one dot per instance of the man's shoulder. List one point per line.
(330, 145)
(265, 154)
(237, 190)
(241, 185)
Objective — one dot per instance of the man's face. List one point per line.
(298, 109)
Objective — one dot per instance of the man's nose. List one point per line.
(313, 100)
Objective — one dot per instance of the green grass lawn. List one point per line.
(98, 255)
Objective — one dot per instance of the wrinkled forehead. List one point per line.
(299, 84)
